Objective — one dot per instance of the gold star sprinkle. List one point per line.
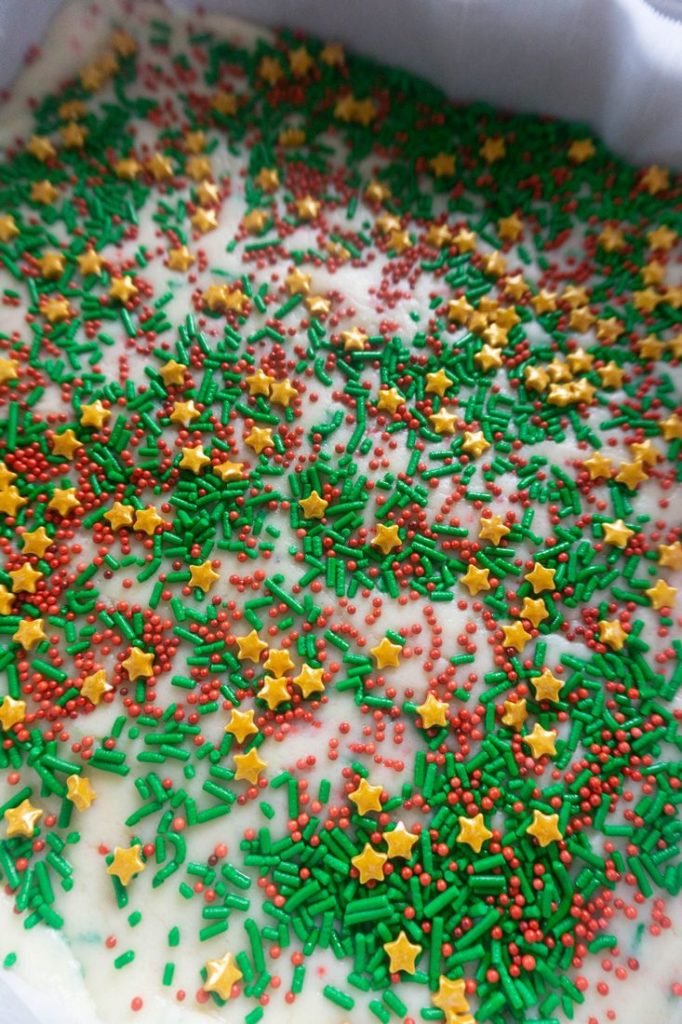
(309, 680)
(184, 413)
(386, 538)
(120, 515)
(366, 798)
(581, 150)
(544, 828)
(547, 686)
(598, 466)
(534, 610)
(540, 741)
(221, 976)
(250, 647)
(123, 289)
(63, 500)
(249, 766)
(400, 842)
(259, 438)
(493, 149)
(443, 422)
(516, 636)
(94, 415)
(229, 470)
(515, 714)
(51, 265)
(307, 208)
(147, 520)
(180, 258)
(126, 864)
(631, 474)
(139, 664)
(241, 725)
(433, 712)
(24, 579)
(267, 179)
(194, 459)
(314, 506)
(282, 392)
(493, 529)
(386, 654)
(443, 165)
(540, 578)
(661, 595)
(612, 633)
(354, 339)
(438, 383)
(35, 542)
(203, 576)
(22, 819)
(473, 832)
(475, 579)
(95, 686)
(278, 662)
(389, 399)
(65, 444)
(8, 227)
(617, 533)
(259, 383)
(474, 443)
(11, 712)
(80, 792)
(451, 999)
(402, 954)
(29, 633)
(274, 691)
(41, 148)
(671, 555)
(370, 864)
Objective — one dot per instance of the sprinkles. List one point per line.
(339, 429)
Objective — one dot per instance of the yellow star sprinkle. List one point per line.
(184, 413)
(314, 506)
(443, 422)
(389, 399)
(534, 610)
(180, 259)
(123, 289)
(366, 798)
(545, 828)
(671, 428)
(438, 383)
(147, 520)
(581, 150)
(540, 578)
(221, 976)
(661, 595)
(510, 228)
(43, 192)
(617, 533)
(64, 500)
(451, 999)
(80, 792)
(298, 283)
(8, 227)
(598, 466)
(41, 148)
(282, 392)
(354, 339)
(241, 725)
(612, 633)
(203, 576)
(493, 529)
(24, 579)
(94, 415)
(443, 165)
(370, 864)
(6, 601)
(249, 766)
(95, 686)
(516, 636)
(671, 555)
(267, 179)
(400, 842)
(250, 647)
(194, 459)
(473, 832)
(386, 654)
(11, 712)
(307, 208)
(540, 741)
(229, 470)
(22, 819)
(120, 515)
(402, 954)
(631, 474)
(386, 538)
(475, 579)
(433, 712)
(204, 221)
(56, 310)
(309, 680)
(259, 383)
(278, 662)
(65, 444)
(259, 438)
(139, 664)
(515, 714)
(172, 372)
(51, 265)
(36, 542)
(274, 691)
(547, 686)
(474, 443)
(126, 864)
(29, 633)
